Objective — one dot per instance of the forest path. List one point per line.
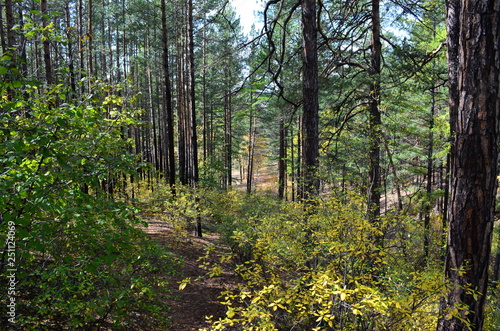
(197, 300)
(265, 177)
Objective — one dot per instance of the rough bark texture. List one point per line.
(282, 161)
(228, 139)
(167, 104)
(375, 119)
(310, 148)
(430, 169)
(2, 32)
(251, 150)
(90, 36)
(9, 15)
(473, 27)
(71, 60)
(193, 160)
(46, 45)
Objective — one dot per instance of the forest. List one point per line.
(341, 157)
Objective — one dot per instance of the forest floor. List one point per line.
(190, 307)
(200, 299)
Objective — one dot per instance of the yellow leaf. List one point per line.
(184, 283)
(230, 313)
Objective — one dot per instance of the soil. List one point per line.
(199, 299)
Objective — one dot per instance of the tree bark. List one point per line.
(2, 31)
(282, 161)
(310, 140)
(228, 139)
(430, 167)
(375, 119)
(71, 61)
(193, 143)
(9, 16)
(167, 104)
(204, 92)
(473, 46)
(394, 174)
(81, 55)
(298, 174)
(90, 26)
(23, 42)
(251, 149)
(181, 107)
(46, 45)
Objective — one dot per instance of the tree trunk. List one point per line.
(90, 26)
(9, 16)
(298, 174)
(473, 47)
(310, 140)
(446, 203)
(181, 110)
(375, 120)
(282, 161)
(251, 149)
(23, 42)
(81, 55)
(167, 104)
(204, 92)
(292, 161)
(71, 62)
(11, 40)
(394, 174)
(155, 149)
(193, 143)
(430, 166)
(46, 45)
(228, 139)
(2, 31)
(192, 106)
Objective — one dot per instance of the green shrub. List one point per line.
(80, 262)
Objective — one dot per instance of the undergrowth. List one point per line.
(316, 266)
(73, 255)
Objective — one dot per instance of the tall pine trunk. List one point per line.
(168, 127)
(473, 46)
(251, 149)
(71, 60)
(310, 140)
(3, 42)
(375, 119)
(9, 17)
(228, 140)
(193, 138)
(430, 168)
(90, 32)
(282, 160)
(46, 45)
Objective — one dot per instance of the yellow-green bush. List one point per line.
(323, 267)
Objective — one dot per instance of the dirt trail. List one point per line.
(190, 306)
